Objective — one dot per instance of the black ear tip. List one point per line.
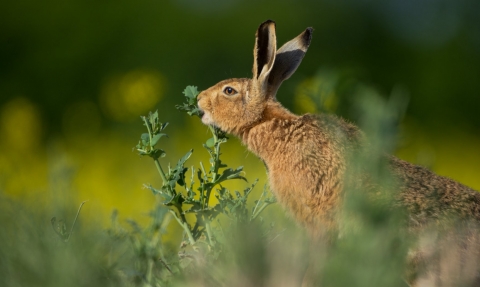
(266, 23)
(307, 36)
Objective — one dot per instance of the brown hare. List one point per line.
(307, 156)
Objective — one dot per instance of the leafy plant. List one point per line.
(184, 196)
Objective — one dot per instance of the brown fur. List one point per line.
(307, 156)
(429, 196)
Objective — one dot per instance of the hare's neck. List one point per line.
(262, 138)
(274, 110)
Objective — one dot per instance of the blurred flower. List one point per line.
(127, 96)
(22, 163)
(20, 125)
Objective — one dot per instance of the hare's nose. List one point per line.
(199, 97)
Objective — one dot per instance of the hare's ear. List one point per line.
(264, 54)
(287, 60)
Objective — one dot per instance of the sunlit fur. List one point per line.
(305, 163)
(307, 156)
(219, 106)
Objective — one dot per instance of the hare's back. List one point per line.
(427, 195)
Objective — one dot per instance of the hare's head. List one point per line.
(236, 104)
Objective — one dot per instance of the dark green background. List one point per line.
(55, 52)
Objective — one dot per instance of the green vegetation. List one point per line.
(226, 238)
(76, 75)
(209, 214)
(205, 236)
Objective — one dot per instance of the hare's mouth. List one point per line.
(206, 118)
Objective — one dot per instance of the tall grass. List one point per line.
(227, 239)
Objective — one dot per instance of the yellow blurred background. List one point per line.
(93, 163)
(75, 78)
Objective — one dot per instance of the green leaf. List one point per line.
(181, 177)
(177, 199)
(182, 161)
(190, 106)
(145, 138)
(210, 142)
(177, 175)
(221, 164)
(163, 126)
(191, 198)
(153, 117)
(182, 107)
(191, 94)
(157, 153)
(247, 191)
(196, 207)
(156, 138)
(231, 174)
(199, 175)
(194, 111)
(154, 190)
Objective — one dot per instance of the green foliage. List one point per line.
(203, 236)
(225, 241)
(382, 243)
(190, 106)
(146, 145)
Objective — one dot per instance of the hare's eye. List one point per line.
(229, 91)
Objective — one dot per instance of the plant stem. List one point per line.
(216, 152)
(160, 170)
(180, 211)
(149, 273)
(148, 128)
(258, 202)
(259, 211)
(216, 155)
(75, 220)
(185, 227)
(209, 233)
(157, 163)
(212, 129)
(221, 228)
(203, 185)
